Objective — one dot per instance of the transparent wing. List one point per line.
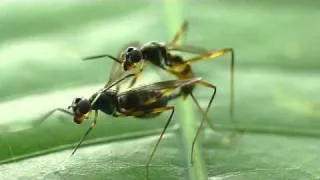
(187, 48)
(163, 85)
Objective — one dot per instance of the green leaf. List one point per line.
(277, 97)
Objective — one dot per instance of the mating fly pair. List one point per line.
(137, 56)
(159, 55)
(150, 100)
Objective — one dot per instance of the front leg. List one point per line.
(135, 79)
(137, 75)
(93, 124)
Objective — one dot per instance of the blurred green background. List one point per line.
(277, 89)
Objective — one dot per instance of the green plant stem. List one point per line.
(187, 121)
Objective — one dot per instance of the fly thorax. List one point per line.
(155, 53)
(106, 102)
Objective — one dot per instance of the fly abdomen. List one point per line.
(141, 100)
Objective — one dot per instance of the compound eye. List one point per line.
(129, 49)
(74, 104)
(84, 106)
(136, 56)
(133, 54)
(76, 100)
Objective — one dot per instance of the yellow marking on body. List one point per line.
(139, 113)
(167, 92)
(150, 101)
